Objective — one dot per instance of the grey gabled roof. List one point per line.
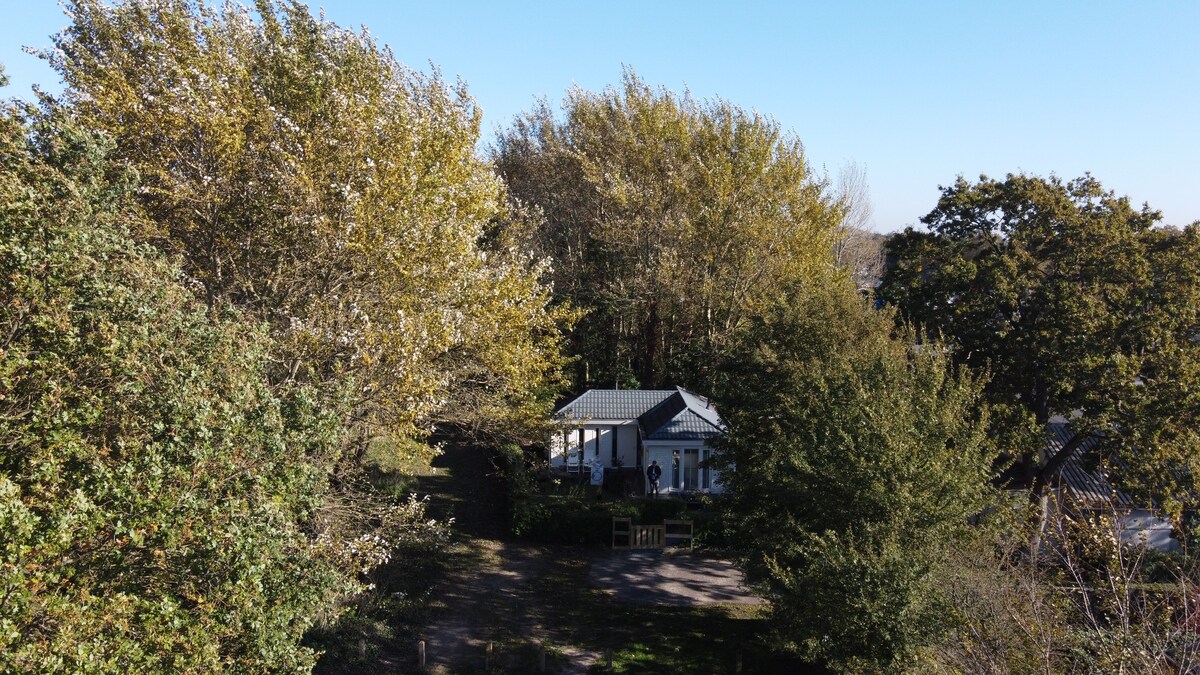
(681, 416)
(662, 415)
(612, 404)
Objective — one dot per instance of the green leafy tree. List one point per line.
(669, 221)
(855, 460)
(158, 493)
(1077, 306)
(307, 177)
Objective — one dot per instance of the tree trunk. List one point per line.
(1039, 493)
(650, 371)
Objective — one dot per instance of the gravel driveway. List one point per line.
(670, 578)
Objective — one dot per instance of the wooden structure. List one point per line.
(626, 535)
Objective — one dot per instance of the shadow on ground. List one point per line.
(467, 488)
(576, 607)
(670, 578)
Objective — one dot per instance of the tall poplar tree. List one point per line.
(307, 177)
(157, 492)
(669, 222)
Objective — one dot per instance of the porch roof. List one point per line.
(613, 404)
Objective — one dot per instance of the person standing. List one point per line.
(653, 473)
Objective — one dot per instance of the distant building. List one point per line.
(1085, 490)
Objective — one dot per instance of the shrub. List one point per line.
(155, 489)
(582, 519)
(515, 465)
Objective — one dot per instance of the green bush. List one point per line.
(582, 519)
(652, 511)
(156, 491)
(518, 473)
(714, 527)
(568, 512)
(559, 519)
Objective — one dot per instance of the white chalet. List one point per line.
(634, 427)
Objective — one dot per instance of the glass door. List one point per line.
(691, 470)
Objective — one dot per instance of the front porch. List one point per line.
(685, 470)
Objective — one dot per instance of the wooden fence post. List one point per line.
(488, 660)
(421, 653)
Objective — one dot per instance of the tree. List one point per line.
(669, 222)
(856, 248)
(1077, 306)
(158, 492)
(855, 459)
(1092, 604)
(317, 184)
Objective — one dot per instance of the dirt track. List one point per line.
(658, 578)
(512, 594)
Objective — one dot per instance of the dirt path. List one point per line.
(490, 593)
(498, 602)
(573, 602)
(669, 578)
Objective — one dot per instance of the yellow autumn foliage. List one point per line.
(306, 176)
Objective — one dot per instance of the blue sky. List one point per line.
(914, 92)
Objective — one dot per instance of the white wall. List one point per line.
(562, 444)
(601, 434)
(1141, 527)
(627, 440)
